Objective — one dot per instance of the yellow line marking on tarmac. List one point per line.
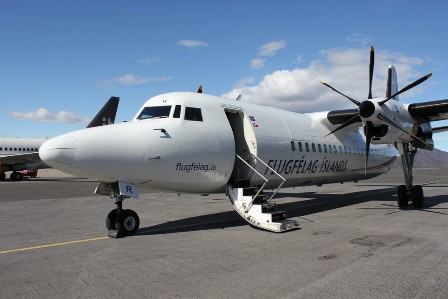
(53, 245)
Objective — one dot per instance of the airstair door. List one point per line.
(245, 144)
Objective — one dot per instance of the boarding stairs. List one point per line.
(255, 207)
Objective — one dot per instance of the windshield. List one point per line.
(155, 112)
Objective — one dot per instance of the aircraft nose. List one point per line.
(59, 152)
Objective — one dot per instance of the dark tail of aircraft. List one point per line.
(106, 115)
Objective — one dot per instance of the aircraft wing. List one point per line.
(429, 111)
(20, 158)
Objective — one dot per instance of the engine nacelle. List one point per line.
(424, 132)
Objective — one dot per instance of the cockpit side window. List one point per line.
(155, 112)
(177, 110)
(194, 114)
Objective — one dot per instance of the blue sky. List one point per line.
(61, 60)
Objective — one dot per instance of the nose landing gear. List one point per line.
(120, 223)
(409, 192)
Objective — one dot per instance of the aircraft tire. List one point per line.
(417, 196)
(402, 197)
(110, 220)
(131, 222)
(2, 176)
(16, 176)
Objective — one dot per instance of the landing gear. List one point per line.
(2, 176)
(408, 192)
(16, 176)
(121, 223)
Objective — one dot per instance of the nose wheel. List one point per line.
(121, 223)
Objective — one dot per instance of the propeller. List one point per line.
(413, 84)
(366, 109)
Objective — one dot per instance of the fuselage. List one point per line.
(15, 152)
(189, 142)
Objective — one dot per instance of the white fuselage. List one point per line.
(191, 146)
(15, 152)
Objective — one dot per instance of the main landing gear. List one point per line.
(121, 223)
(408, 192)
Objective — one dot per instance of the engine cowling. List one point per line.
(424, 132)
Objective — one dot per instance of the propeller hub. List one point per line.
(366, 109)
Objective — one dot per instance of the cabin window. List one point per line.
(15, 149)
(307, 147)
(177, 110)
(1, 148)
(335, 149)
(325, 148)
(194, 114)
(300, 146)
(313, 146)
(319, 148)
(293, 146)
(330, 149)
(155, 112)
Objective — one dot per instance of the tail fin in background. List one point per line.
(392, 83)
(106, 115)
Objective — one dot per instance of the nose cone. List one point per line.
(59, 152)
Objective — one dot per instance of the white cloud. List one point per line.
(244, 82)
(271, 48)
(257, 63)
(192, 43)
(359, 38)
(149, 60)
(345, 69)
(45, 115)
(131, 79)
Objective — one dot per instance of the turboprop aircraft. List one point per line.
(23, 153)
(193, 142)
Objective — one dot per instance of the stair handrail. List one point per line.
(259, 190)
(283, 179)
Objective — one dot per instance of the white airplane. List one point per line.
(192, 142)
(23, 153)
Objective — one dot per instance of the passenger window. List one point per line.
(334, 149)
(313, 146)
(330, 149)
(307, 147)
(177, 110)
(194, 114)
(325, 148)
(155, 112)
(293, 146)
(319, 148)
(300, 146)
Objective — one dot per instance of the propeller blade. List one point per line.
(369, 135)
(199, 89)
(353, 100)
(352, 120)
(413, 84)
(390, 122)
(371, 65)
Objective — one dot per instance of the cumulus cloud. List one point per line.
(345, 69)
(45, 115)
(244, 82)
(131, 79)
(271, 48)
(192, 43)
(257, 63)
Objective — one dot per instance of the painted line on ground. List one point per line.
(53, 245)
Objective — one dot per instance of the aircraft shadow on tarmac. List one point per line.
(316, 203)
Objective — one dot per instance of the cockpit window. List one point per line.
(155, 112)
(176, 113)
(194, 114)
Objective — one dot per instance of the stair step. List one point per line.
(268, 207)
(277, 216)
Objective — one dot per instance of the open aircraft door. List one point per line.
(245, 145)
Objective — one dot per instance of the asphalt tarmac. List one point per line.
(353, 242)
